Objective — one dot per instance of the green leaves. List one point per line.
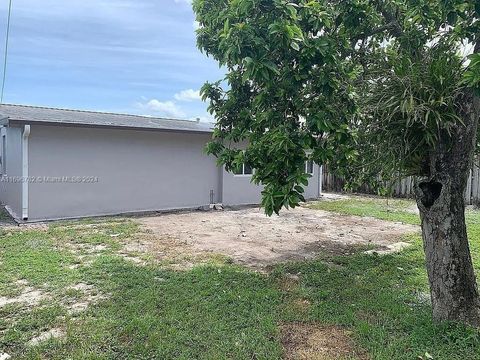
(367, 87)
(279, 70)
(294, 45)
(290, 32)
(293, 32)
(472, 75)
(261, 69)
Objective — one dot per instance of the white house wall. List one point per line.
(136, 170)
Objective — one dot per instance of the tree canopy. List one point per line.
(367, 86)
(376, 89)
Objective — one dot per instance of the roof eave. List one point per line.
(10, 122)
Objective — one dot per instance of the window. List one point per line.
(3, 155)
(244, 170)
(309, 167)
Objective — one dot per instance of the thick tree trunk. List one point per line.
(453, 285)
(440, 199)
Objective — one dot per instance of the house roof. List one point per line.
(22, 114)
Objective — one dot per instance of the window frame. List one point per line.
(307, 163)
(243, 174)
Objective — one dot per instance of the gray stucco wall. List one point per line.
(312, 191)
(136, 170)
(11, 192)
(239, 190)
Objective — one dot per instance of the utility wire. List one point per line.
(6, 50)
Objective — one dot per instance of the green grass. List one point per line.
(210, 312)
(385, 209)
(220, 311)
(380, 299)
(206, 313)
(398, 210)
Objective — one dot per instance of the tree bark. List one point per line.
(452, 280)
(441, 201)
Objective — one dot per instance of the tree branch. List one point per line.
(365, 35)
(390, 18)
(390, 26)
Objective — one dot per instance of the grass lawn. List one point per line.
(107, 307)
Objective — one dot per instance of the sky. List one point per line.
(127, 56)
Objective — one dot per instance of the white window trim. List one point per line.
(313, 167)
(243, 172)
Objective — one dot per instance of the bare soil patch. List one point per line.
(312, 342)
(29, 297)
(88, 295)
(47, 335)
(146, 246)
(251, 238)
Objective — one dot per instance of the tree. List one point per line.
(374, 88)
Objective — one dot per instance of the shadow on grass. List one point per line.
(385, 301)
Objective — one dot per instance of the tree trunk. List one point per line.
(453, 285)
(440, 199)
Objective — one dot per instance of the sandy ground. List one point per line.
(253, 239)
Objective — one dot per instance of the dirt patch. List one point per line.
(251, 238)
(33, 226)
(312, 342)
(47, 335)
(335, 196)
(389, 249)
(88, 295)
(29, 297)
(174, 253)
(84, 248)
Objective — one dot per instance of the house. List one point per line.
(58, 164)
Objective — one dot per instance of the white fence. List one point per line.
(404, 187)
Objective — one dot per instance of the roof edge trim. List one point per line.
(10, 122)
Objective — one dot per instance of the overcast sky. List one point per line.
(132, 56)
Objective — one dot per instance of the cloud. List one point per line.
(188, 95)
(191, 108)
(188, 2)
(163, 108)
